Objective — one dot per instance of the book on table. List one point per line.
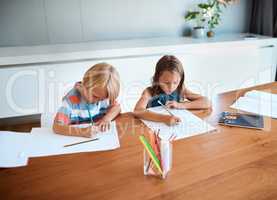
(241, 120)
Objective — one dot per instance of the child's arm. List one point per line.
(141, 112)
(195, 101)
(104, 122)
(62, 124)
(70, 130)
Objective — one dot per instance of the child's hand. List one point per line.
(172, 104)
(83, 132)
(103, 124)
(172, 120)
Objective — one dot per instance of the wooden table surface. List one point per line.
(230, 163)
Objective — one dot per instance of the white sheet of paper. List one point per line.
(191, 125)
(256, 106)
(260, 95)
(46, 143)
(12, 149)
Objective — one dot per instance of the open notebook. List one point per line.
(258, 102)
(191, 125)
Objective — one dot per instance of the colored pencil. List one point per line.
(165, 108)
(69, 145)
(151, 153)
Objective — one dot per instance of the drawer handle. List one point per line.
(268, 46)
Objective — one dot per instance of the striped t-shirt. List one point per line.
(75, 109)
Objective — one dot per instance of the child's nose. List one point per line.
(171, 88)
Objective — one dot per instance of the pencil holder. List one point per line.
(165, 158)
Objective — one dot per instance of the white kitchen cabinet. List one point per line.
(34, 79)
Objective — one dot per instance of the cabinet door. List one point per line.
(215, 70)
(267, 64)
(135, 76)
(20, 91)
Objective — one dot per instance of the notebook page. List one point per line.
(256, 106)
(260, 95)
(191, 125)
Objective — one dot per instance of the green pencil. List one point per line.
(151, 153)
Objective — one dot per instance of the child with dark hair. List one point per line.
(168, 89)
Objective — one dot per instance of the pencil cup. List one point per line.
(165, 158)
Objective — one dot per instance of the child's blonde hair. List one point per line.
(103, 75)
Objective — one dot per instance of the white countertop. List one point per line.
(113, 49)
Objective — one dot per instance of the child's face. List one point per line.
(94, 95)
(169, 81)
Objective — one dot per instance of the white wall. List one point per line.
(33, 22)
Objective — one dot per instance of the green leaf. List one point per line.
(191, 15)
(203, 6)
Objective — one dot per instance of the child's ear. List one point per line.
(78, 86)
(79, 83)
(113, 103)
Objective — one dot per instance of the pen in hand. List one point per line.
(177, 122)
(165, 108)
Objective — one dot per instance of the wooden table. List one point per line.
(231, 163)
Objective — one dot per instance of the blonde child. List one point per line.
(168, 88)
(92, 100)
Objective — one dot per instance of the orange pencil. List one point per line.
(153, 143)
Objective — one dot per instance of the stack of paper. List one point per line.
(190, 124)
(48, 143)
(258, 102)
(16, 148)
(12, 149)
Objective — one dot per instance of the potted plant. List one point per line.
(209, 13)
(199, 23)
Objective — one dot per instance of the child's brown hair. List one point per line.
(167, 63)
